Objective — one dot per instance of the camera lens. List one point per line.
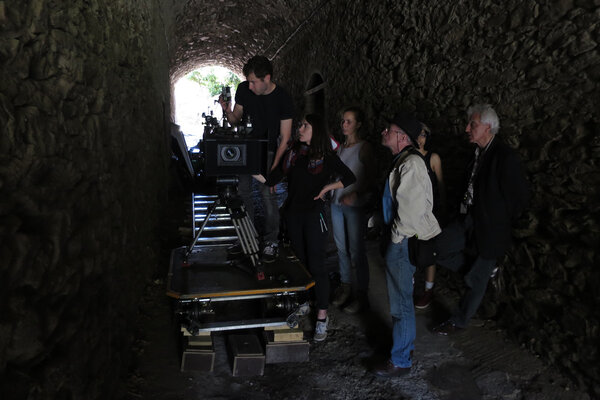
(230, 153)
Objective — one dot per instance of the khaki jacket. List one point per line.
(414, 200)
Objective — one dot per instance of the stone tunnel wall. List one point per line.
(84, 153)
(538, 63)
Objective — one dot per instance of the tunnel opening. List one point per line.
(196, 96)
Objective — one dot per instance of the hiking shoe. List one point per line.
(389, 370)
(270, 253)
(360, 304)
(342, 294)
(321, 330)
(447, 328)
(424, 300)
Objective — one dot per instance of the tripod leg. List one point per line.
(246, 246)
(246, 233)
(248, 241)
(248, 228)
(250, 232)
(211, 209)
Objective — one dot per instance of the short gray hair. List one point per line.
(487, 115)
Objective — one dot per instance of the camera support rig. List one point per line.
(244, 228)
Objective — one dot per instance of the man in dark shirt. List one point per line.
(496, 194)
(270, 109)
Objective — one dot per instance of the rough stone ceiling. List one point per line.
(227, 33)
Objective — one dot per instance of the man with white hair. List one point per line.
(496, 193)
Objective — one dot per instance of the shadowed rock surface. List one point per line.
(86, 166)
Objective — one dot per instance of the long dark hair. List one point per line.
(320, 143)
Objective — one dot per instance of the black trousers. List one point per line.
(451, 245)
(307, 231)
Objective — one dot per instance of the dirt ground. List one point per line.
(480, 363)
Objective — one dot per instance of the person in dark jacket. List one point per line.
(496, 194)
(312, 170)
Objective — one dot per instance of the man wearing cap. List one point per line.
(408, 211)
(496, 193)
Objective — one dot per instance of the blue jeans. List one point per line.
(451, 244)
(349, 230)
(270, 206)
(399, 272)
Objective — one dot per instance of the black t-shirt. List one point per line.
(266, 111)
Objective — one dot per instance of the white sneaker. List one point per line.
(321, 330)
(303, 309)
(270, 253)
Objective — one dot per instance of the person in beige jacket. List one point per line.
(408, 208)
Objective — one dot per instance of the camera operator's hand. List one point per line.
(225, 105)
(233, 116)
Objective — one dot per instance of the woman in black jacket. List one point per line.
(312, 169)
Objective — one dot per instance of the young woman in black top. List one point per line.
(312, 169)
(433, 163)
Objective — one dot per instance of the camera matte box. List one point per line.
(230, 155)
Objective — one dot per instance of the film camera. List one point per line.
(232, 150)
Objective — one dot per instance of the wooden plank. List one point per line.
(288, 335)
(186, 332)
(277, 327)
(199, 340)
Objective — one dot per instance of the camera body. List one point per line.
(232, 150)
(233, 155)
(226, 94)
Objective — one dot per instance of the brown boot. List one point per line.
(342, 294)
(359, 304)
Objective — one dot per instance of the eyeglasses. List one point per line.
(388, 130)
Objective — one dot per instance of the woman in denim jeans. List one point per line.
(348, 215)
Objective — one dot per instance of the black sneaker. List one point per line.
(342, 294)
(358, 305)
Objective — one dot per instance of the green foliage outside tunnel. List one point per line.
(209, 79)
